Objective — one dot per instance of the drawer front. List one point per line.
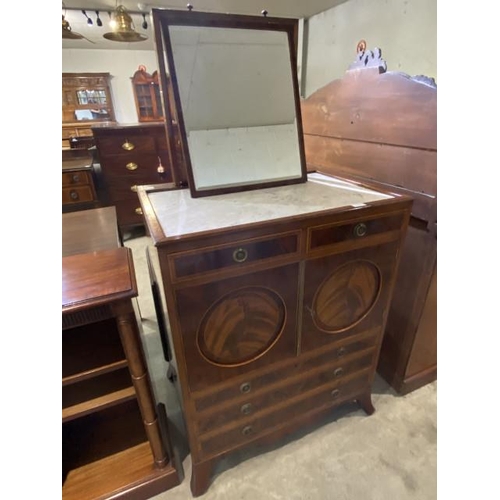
(250, 428)
(125, 187)
(77, 194)
(302, 382)
(126, 145)
(80, 178)
(132, 164)
(238, 254)
(242, 389)
(84, 132)
(336, 233)
(129, 213)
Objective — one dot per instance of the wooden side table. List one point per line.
(115, 436)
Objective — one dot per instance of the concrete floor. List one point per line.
(390, 455)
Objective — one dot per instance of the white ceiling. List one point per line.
(278, 8)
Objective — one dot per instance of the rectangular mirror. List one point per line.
(235, 85)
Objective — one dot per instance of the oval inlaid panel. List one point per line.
(241, 326)
(346, 296)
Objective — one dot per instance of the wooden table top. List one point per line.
(97, 278)
(89, 231)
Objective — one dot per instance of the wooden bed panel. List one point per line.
(381, 127)
(388, 108)
(391, 165)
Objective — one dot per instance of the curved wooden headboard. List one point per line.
(379, 126)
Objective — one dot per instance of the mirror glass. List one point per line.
(238, 106)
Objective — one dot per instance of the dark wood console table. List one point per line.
(115, 436)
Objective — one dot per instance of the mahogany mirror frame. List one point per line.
(162, 19)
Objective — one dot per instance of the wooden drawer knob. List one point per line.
(128, 146)
(138, 211)
(245, 387)
(338, 372)
(247, 430)
(240, 255)
(246, 409)
(75, 178)
(131, 166)
(360, 230)
(74, 195)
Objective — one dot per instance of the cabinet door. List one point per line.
(233, 326)
(346, 294)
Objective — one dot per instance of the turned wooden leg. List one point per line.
(365, 402)
(200, 477)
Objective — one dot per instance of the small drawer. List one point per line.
(332, 234)
(306, 382)
(79, 178)
(77, 194)
(250, 428)
(125, 145)
(134, 164)
(85, 132)
(238, 254)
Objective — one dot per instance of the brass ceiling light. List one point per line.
(67, 33)
(123, 27)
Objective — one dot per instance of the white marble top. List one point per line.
(179, 214)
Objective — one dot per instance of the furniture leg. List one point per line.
(200, 477)
(365, 402)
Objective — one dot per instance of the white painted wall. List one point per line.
(405, 31)
(121, 64)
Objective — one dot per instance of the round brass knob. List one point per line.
(247, 430)
(74, 195)
(245, 387)
(338, 372)
(75, 178)
(131, 166)
(246, 409)
(240, 255)
(335, 393)
(133, 188)
(138, 211)
(128, 146)
(360, 229)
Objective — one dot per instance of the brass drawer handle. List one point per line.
(75, 178)
(74, 195)
(131, 166)
(245, 387)
(335, 393)
(133, 188)
(128, 146)
(341, 352)
(246, 409)
(240, 255)
(338, 372)
(138, 211)
(247, 430)
(360, 230)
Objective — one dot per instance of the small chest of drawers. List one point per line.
(130, 156)
(78, 187)
(275, 318)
